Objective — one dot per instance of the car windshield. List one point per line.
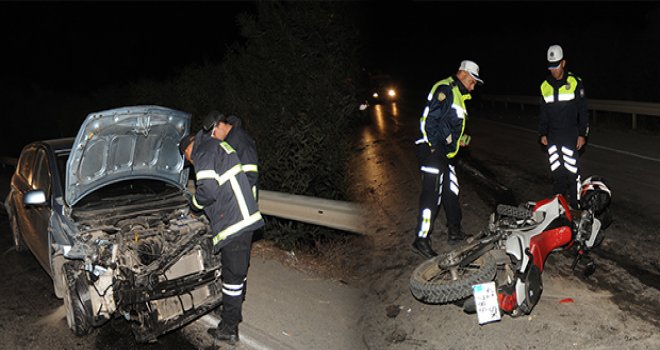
(380, 81)
(61, 159)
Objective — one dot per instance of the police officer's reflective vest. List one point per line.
(443, 121)
(566, 92)
(564, 107)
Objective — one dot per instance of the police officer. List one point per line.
(230, 129)
(442, 127)
(224, 193)
(563, 125)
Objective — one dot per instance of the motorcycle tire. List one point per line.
(515, 212)
(432, 284)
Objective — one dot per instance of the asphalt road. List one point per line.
(616, 308)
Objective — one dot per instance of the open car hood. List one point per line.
(139, 142)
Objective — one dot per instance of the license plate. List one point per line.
(485, 300)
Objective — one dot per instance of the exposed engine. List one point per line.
(152, 268)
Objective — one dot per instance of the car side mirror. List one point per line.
(36, 197)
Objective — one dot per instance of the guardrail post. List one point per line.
(634, 121)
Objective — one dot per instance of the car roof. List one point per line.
(57, 145)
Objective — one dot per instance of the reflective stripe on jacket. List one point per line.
(246, 148)
(443, 121)
(223, 190)
(564, 107)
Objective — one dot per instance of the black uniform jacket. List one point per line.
(223, 190)
(246, 148)
(564, 120)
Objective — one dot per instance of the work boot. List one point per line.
(456, 235)
(422, 246)
(225, 332)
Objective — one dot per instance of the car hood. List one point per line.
(139, 142)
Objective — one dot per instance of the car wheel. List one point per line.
(19, 244)
(77, 304)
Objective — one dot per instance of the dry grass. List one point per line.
(337, 260)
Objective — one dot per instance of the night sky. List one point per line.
(83, 46)
(614, 46)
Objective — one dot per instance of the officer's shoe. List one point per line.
(225, 332)
(456, 235)
(422, 246)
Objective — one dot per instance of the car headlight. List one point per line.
(391, 92)
(375, 95)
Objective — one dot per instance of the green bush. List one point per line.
(292, 83)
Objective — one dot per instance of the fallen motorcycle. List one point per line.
(512, 250)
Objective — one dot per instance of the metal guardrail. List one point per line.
(629, 107)
(335, 214)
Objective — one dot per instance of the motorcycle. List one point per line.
(512, 250)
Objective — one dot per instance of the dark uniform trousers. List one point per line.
(439, 187)
(565, 167)
(235, 258)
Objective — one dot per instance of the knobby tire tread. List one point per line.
(445, 291)
(515, 212)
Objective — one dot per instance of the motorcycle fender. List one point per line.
(595, 229)
(533, 289)
(514, 247)
(521, 292)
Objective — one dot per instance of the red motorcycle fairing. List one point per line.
(532, 247)
(543, 244)
(562, 201)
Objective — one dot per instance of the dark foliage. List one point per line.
(291, 80)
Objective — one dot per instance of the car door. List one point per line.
(37, 216)
(20, 185)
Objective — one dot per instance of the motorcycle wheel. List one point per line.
(432, 284)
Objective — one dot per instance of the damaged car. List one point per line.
(107, 216)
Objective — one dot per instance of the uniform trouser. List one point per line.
(439, 187)
(235, 262)
(565, 168)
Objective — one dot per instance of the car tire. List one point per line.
(77, 304)
(19, 244)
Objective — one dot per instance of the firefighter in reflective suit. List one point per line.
(230, 129)
(563, 125)
(442, 127)
(224, 193)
